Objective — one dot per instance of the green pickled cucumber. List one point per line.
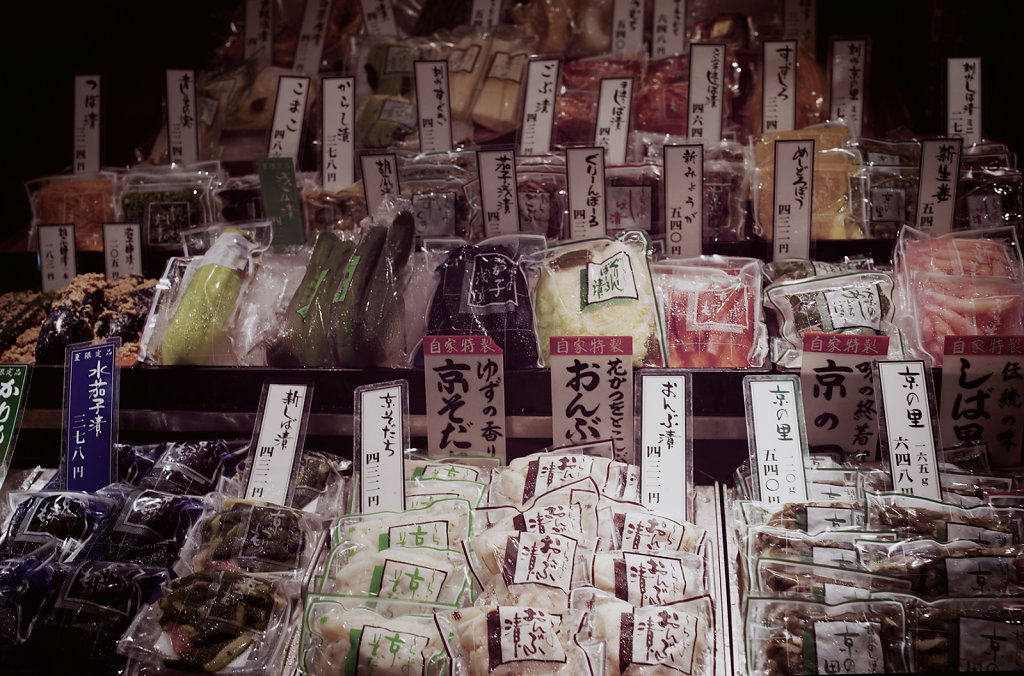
(348, 300)
(383, 312)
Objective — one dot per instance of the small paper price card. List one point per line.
(91, 379)
(906, 406)
(587, 217)
(380, 439)
(664, 449)
(277, 442)
(592, 391)
(778, 444)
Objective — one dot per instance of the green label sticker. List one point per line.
(304, 310)
(13, 384)
(346, 278)
(281, 199)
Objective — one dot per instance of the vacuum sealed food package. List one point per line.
(529, 569)
(788, 636)
(166, 202)
(800, 268)
(892, 198)
(807, 517)
(326, 210)
(662, 96)
(819, 582)
(577, 518)
(914, 516)
(644, 640)
(577, 100)
(633, 198)
(421, 492)
(538, 474)
(40, 517)
(648, 579)
(87, 200)
(989, 198)
(969, 253)
(26, 586)
(239, 198)
(193, 467)
(496, 107)
(263, 302)
(443, 524)
(543, 198)
(712, 312)
(213, 621)
(342, 635)
(626, 526)
(598, 287)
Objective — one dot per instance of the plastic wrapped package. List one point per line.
(892, 198)
(591, 28)
(511, 640)
(136, 460)
(577, 100)
(384, 89)
(634, 528)
(322, 485)
(619, 295)
(250, 537)
(339, 635)
(165, 203)
(467, 468)
(421, 574)
(645, 641)
(442, 525)
(970, 253)
(889, 153)
(812, 92)
(213, 621)
(41, 517)
(913, 516)
(799, 268)
(712, 312)
(149, 529)
(543, 198)
(193, 467)
(421, 492)
(648, 579)
(577, 519)
(326, 210)
(440, 206)
(661, 101)
(481, 290)
(496, 107)
(26, 585)
(240, 198)
(807, 517)
(467, 51)
(528, 477)
(968, 489)
(94, 605)
(548, 21)
(989, 198)
(87, 200)
(819, 582)
(529, 569)
(633, 198)
(785, 636)
(261, 307)
(854, 303)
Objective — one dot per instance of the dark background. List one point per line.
(131, 43)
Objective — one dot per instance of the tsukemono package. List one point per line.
(529, 477)
(648, 578)
(808, 517)
(194, 467)
(892, 199)
(785, 636)
(712, 312)
(577, 518)
(40, 517)
(87, 200)
(467, 467)
(166, 202)
(626, 526)
(598, 287)
(543, 196)
(800, 268)
(443, 524)
(819, 582)
(481, 290)
(577, 100)
(496, 108)
(136, 460)
(989, 198)
(530, 569)
(425, 492)
(240, 198)
(263, 303)
(26, 584)
(213, 621)
(341, 635)
(920, 517)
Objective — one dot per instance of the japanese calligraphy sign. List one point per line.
(277, 442)
(847, 648)
(465, 386)
(983, 395)
(433, 103)
(538, 107)
(57, 255)
(706, 93)
(936, 192)
(86, 125)
(792, 203)
(182, 118)
(838, 388)
(778, 86)
(905, 402)
(663, 452)
(497, 170)
(592, 391)
(380, 179)
(684, 200)
(259, 31)
(121, 252)
(613, 110)
(281, 199)
(289, 116)
(14, 380)
(800, 19)
(668, 28)
(778, 444)
(628, 20)
(379, 17)
(485, 13)
(337, 160)
(380, 439)
(91, 378)
(848, 78)
(963, 99)
(523, 634)
(585, 167)
(315, 20)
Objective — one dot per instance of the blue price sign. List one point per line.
(90, 416)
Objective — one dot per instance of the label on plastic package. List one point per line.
(382, 435)
(539, 107)
(491, 285)
(848, 648)
(615, 103)
(630, 207)
(628, 20)
(586, 188)
(281, 429)
(663, 447)
(834, 556)
(425, 534)
(91, 378)
(909, 436)
(986, 537)
(548, 473)
(559, 519)
(793, 199)
(978, 575)
(987, 645)
(888, 204)
(522, 634)
(182, 122)
(657, 637)
(936, 192)
(668, 26)
(433, 103)
(778, 86)
(848, 77)
(830, 493)
(505, 66)
(337, 163)
(963, 99)
(542, 559)
(497, 169)
(611, 279)
(684, 199)
(379, 17)
(86, 130)
(57, 259)
(776, 432)
(649, 580)
(281, 200)
(121, 251)
(403, 654)
(820, 519)
(95, 580)
(851, 308)
(650, 533)
(408, 581)
(706, 93)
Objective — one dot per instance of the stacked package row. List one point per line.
(547, 566)
(862, 579)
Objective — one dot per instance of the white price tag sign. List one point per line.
(182, 118)
(848, 76)
(379, 17)
(706, 93)
(778, 86)
(801, 23)
(613, 110)
(498, 191)
(121, 250)
(337, 162)
(627, 27)
(57, 263)
(281, 429)
(684, 199)
(668, 28)
(434, 105)
(381, 437)
(592, 391)
(793, 200)
(778, 447)
(465, 387)
(939, 176)
(87, 124)
(259, 31)
(905, 405)
(486, 13)
(963, 99)
(587, 216)
(380, 179)
(289, 116)
(315, 20)
(539, 107)
(664, 443)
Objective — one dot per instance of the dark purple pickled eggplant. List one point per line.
(482, 291)
(57, 515)
(65, 325)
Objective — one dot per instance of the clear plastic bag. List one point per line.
(194, 467)
(26, 586)
(822, 583)
(38, 518)
(443, 525)
(87, 200)
(262, 306)
(529, 569)
(421, 492)
(648, 579)
(166, 203)
(632, 527)
(920, 517)
(540, 474)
